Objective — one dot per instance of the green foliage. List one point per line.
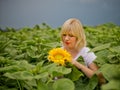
(63, 84)
(24, 64)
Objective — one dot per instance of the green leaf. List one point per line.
(63, 84)
(42, 86)
(101, 47)
(20, 75)
(112, 85)
(41, 75)
(75, 73)
(55, 69)
(92, 83)
(38, 67)
(12, 68)
(3, 45)
(111, 71)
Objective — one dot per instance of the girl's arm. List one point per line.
(90, 71)
(87, 71)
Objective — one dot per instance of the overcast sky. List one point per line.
(21, 13)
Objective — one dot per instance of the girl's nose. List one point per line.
(67, 37)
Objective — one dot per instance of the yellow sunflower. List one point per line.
(59, 56)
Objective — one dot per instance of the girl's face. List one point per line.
(69, 41)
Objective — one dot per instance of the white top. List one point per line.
(88, 56)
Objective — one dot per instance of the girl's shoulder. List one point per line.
(87, 55)
(84, 50)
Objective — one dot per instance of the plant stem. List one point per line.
(19, 85)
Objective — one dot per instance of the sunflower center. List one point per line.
(58, 56)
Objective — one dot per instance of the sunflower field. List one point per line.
(24, 63)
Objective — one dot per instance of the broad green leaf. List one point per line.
(63, 84)
(12, 68)
(93, 82)
(112, 85)
(20, 75)
(101, 47)
(41, 86)
(38, 67)
(75, 73)
(111, 71)
(115, 49)
(54, 68)
(3, 45)
(41, 75)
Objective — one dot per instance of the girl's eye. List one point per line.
(64, 34)
(71, 35)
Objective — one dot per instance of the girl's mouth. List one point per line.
(67, 43)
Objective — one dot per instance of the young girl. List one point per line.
(74, 41)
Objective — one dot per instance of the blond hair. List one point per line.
(75, 27)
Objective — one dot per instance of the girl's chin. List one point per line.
(67, 46)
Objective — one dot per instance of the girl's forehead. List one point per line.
(69, 32)
(66, 30)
